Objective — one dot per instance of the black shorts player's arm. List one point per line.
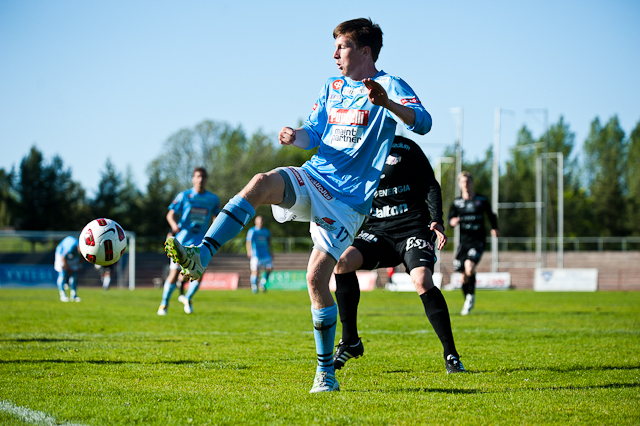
(490, 214)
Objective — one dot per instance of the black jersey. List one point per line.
(471, 213)
(407, 181)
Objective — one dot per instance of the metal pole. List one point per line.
(458, 151)
(495, 185)
(539, 212)
(560, 210)
(132, 261)
(545, 187)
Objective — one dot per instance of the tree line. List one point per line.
(601, 189)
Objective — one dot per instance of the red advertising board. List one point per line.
(219, 281)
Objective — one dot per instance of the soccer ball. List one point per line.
(102, 242)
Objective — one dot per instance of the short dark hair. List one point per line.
(202, 171)
(362, 32)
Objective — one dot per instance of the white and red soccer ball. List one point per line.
(103, 242)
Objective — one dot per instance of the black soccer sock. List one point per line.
(438, 313)
(472, 284)
(348, 297)
(465, 285)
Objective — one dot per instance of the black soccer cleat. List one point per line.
(345, 352)
(454, 365)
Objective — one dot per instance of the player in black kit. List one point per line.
(468, 211)
(403, 228)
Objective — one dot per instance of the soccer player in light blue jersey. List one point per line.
(189, 216)
(259, 254)
(67, 264)
(353, 124)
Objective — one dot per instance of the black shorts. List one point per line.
(471, 250)
(383, 250)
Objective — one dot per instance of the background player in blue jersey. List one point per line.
(468, 211)
(353, 124)
(67, 264)
(259, 254)
(189, 216)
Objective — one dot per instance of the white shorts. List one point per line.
(332, 223)
(174, 266)
(260, 262)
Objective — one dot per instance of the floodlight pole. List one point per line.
(542, 194)
(458, 151)
(439, 172)
(495, 182)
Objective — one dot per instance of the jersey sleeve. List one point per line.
(177, 204)
(490, 214)
(401, 93)
(453, 212)
(317, 120)
(250, 235)
(431, 186)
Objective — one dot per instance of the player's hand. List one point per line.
(439, 230)
(287, 136)
(377, 94)
(454, 221)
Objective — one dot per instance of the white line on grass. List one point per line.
(31, 416)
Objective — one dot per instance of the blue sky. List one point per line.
(91, 80)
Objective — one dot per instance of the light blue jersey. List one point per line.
(68, 249)
(355, 136)
(195, 212)
(259, 239)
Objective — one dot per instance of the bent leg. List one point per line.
(264, 188)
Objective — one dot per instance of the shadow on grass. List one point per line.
(420, 390)
(214, 364)
(42, 339)
(454, 391)
(565, 369)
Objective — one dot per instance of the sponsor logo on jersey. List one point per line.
(329, 221)
(354, 91)
(389, 211)
(337, 85)
(351, 117)
(418, 243)
(297, 175)
(371, 238)
(400, 145)
(322, 223)
(335, 97)
(393, 159)
(391, 191)
(318, 186)
(315, 106)
(413, 100)
(360, 101)
(346, 137)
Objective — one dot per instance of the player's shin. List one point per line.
(232, 219)
(438, 314)
(167, 291)
(193, 287)
(324, 332)
(348, 298)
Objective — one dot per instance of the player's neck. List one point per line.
(368, 71)
(467, 195)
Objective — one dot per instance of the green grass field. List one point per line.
(533, 358)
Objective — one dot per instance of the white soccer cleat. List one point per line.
(76, 299)
(162, 310)
(324, 382)
(469, 301)
(187, 257)
(63, 297)
(188, 308)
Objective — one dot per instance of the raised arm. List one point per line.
(296, 137)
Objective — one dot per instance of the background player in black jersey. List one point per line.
(468, 211)
(402, 229)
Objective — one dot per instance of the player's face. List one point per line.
(199, 181)
(350, 61)
(465, 184)
(258, 222)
